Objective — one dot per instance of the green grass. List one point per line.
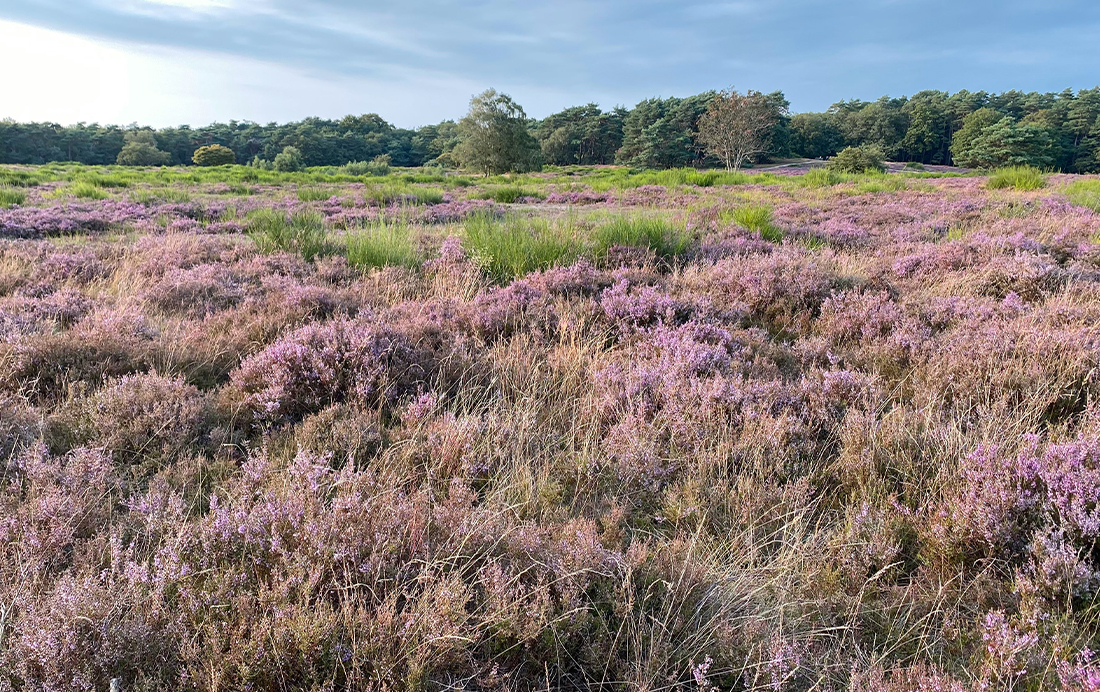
(157, 195)
(9, 197)
(106, 181)
(313, 194)
(388, 193)
(1022, 178)
(882, 183)
(756, 217)
(15, 178)
(382, 245)
(820, 177)
(429, 195)
(301, 232)
(86, 190)
(663, 238)
(1084, 193)
(509, 194)
(511, 247)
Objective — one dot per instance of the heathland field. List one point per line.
(580, 429)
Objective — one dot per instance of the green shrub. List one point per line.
(757, 217)
(313, 194)
(914, 166)
(861, 159)
(289, 160)
(9, 197)
(301, 232)
(1085, 193)
(515, 246)
(142, 154)
(1016, 178)
(261, 164)
(664, 239)
(214, 155)
(382, 245)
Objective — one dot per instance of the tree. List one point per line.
(990, 140)
(582, 135)
(861, 159)
(214, 155)
(494, 136)
(289, 160)
(662, 133)
(815, 135)
(141, 150)
(737, 127)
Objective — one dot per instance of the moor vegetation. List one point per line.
(353, 428)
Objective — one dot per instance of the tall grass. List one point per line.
(756, 217)
(1022, 178)
(820, 177)
(86, 190)
(509, 194)
(301, 232)
(159, 194)
(1084, 193)
(663, 238)
(9, 197)
(382, 244)
(314, 194)
(514, 246)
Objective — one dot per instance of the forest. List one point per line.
(1052, 131)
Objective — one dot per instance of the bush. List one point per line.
(261, 164)
(1017, 178)
(289, 160)
(301, 232)
(142, 154)
(214, 155)
(858, 160)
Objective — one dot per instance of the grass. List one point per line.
(820, 177)
(1021, 178)
(509, 194)
(429, 195)
(1084, 193)
(313, 194)
(157, 195)
(756, 217)
(9, 197)
(882, 183)
(388, 193)
(663, 238)
(86, 190)
(107, 181)
(382, 244)
(301, 232)
(511, 247)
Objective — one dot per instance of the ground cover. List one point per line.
(589, 427)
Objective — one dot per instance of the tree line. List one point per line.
(974, 129)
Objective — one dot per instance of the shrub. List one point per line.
(289, 160)
(1022, 178)
(381, 245)
(261, 164)
(10, 197)
(142, 154)
(140, 417)
(301, 232)
(214, 155)
(858, 159)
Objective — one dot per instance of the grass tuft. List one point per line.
(10, 197)
(382, 244)
(664, 239)
(1021, 178)
(757, 217)
(301, 232)
(1084, 193)
(511, 247)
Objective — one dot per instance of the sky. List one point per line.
(415, 62)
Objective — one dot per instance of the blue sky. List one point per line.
(165, 62)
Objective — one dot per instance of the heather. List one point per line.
(575, 429)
